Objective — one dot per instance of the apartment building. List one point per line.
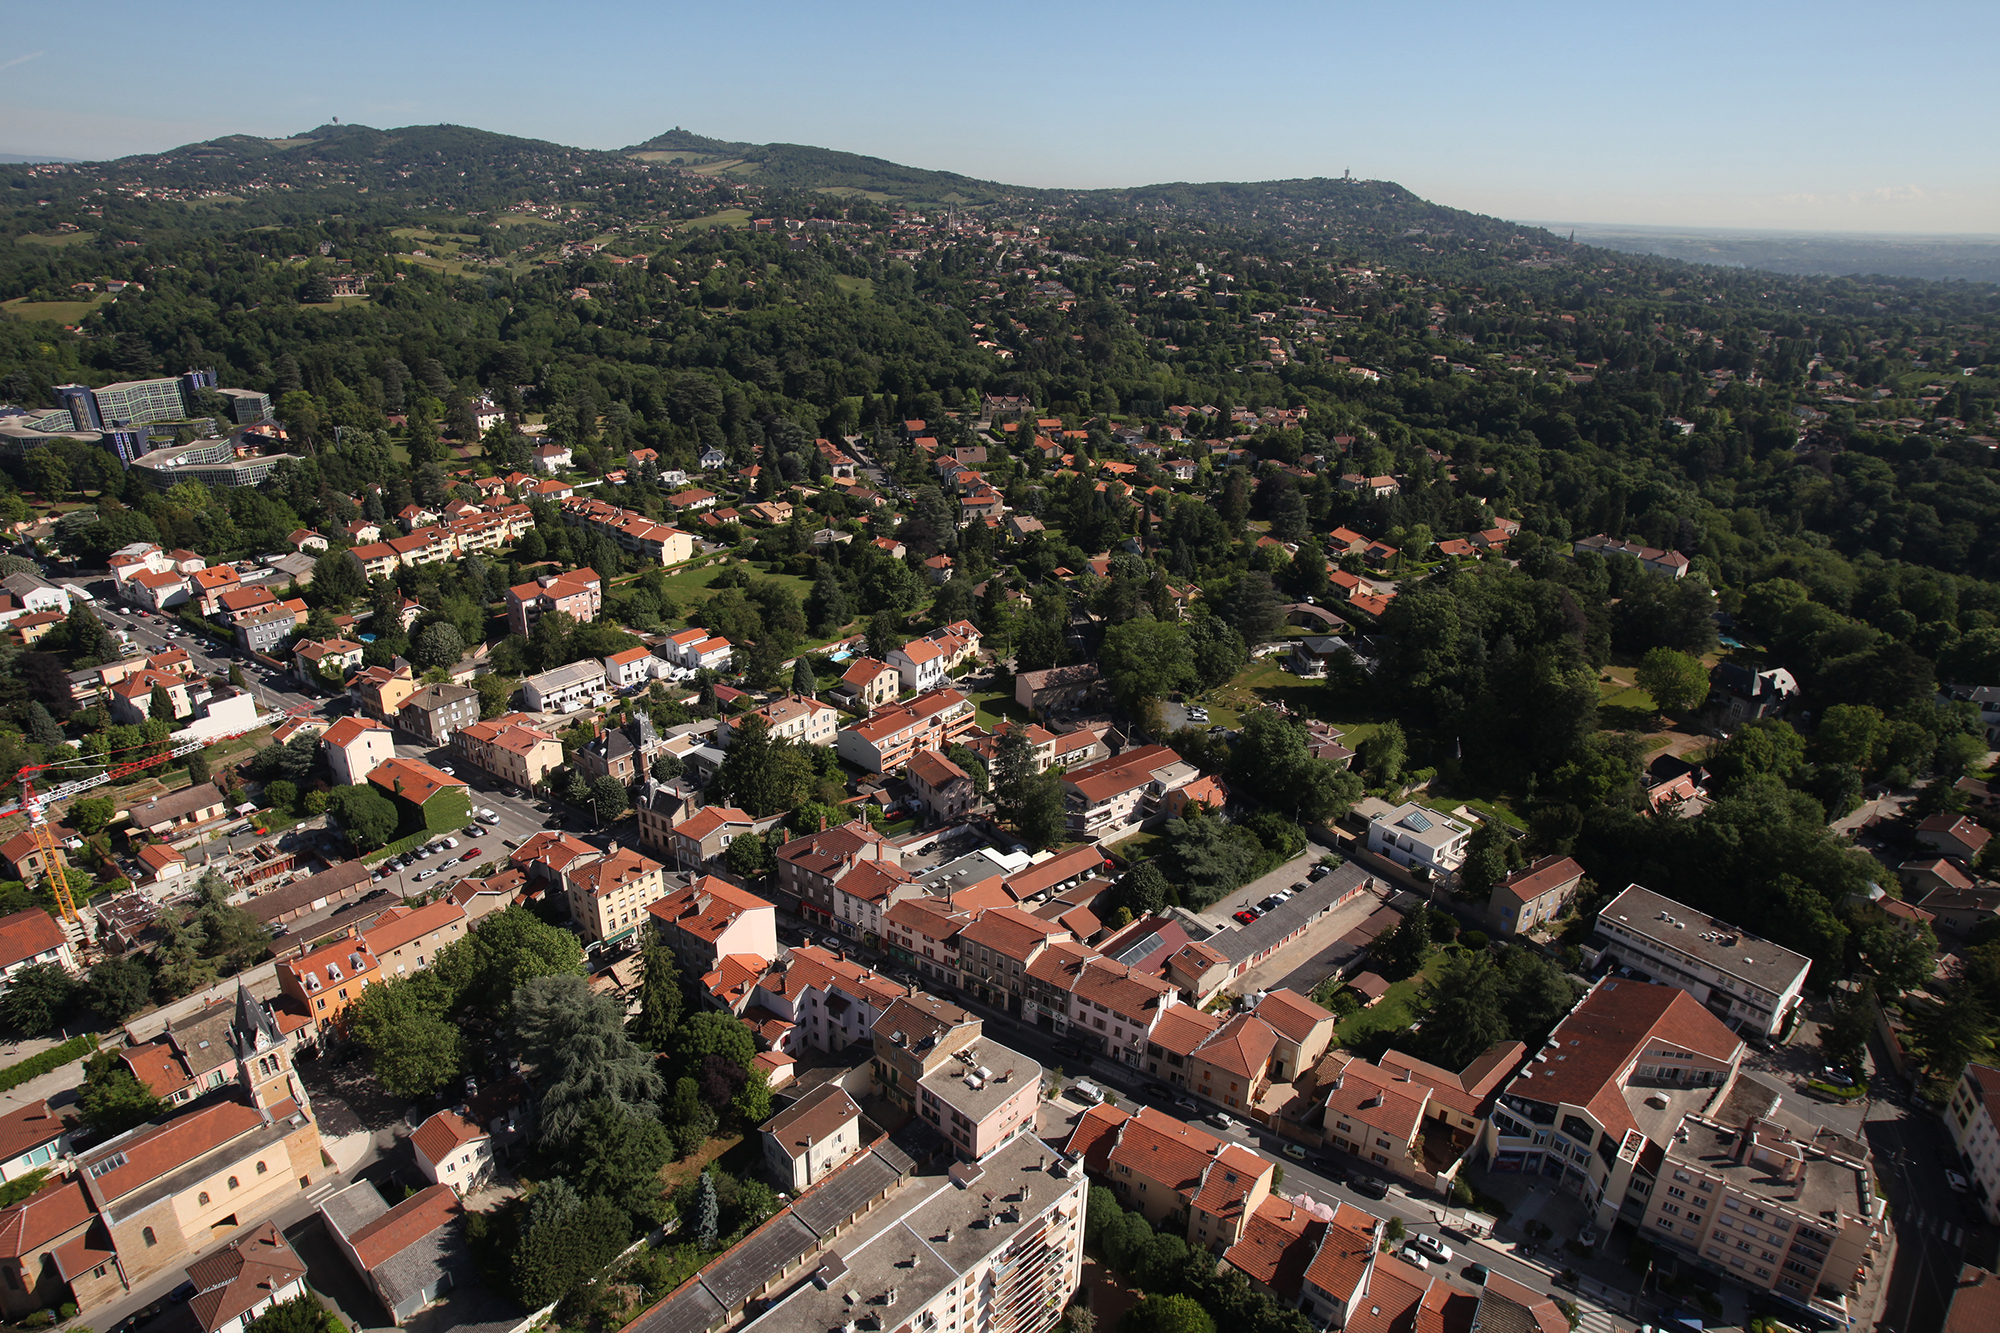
(698, 841)
(578, 595)
(436, 713)
(867, 684)
(609, 896)
(890, 735)
(810, 867)
(380, 691)
(794, 717)
(407, 939)
(815, 998)
(510, 748)
(1534, 895)
(323, 982)
(1182, 1178)
(711, 919)
(805, 1142)
(1748, 982)
(934, 1059)
(921, 664)
(945, 789)
(1615, 1076)
(1121, 790)
(1975, 1131)
(996, 951)
(634, 532)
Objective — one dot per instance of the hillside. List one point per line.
(786, 166)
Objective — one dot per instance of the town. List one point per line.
(780, 837)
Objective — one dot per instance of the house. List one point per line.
(1110, 793)
(32, 1137)
(1960, 910)
(325, 662)
(1314, 655)
(160, 864)
(132, 697)
(867, 684)
(945, 789)
(410, 1255)
(698, 841)
(1739, 693)
(1749, 983)
(550, 459)
(451, 1150)
(1063, 687)
(1419, 839)
(244, 1279)
(921, 664)
(634, 666)
(1667, 564)
(938, 1065)
(179, 815)
(890, 735)
(354, 747)
(380, 691)
(712, 458)
(806, 1141)
(812, 867)
(609, 895)
(793, 717)
(1533, 896)
(1184, 1180)
(578, 595)
(436, 713)
(1954, 836)
(565, 689)
(711, 919)
(24, 859)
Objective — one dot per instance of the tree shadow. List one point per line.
(1624, 717)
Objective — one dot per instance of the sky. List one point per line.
(1829, 116)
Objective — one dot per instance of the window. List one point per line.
(108, 1165)
(202, 1198)
(146, 1234)
(234, 1183)
(261, 1168)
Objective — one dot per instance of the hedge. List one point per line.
(13, 1076)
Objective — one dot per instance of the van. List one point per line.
(1086, 1092)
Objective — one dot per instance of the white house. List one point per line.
(1419, 838)
(806, 1141)
(451, 1150)
(566, 689)
(713, 458)
(921, 663)
(634, 666)
(33, 1137)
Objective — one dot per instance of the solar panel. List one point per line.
(1416, 822)
(1139, 951)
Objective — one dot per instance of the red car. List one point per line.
(1247, 915)
(472, 855)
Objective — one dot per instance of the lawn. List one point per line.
(1265, 682)
(728, 217)
(62, 312)
(1392, 1013)
(997, 706)
(58, 238)
(863, 287)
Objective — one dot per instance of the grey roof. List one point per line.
(1726, 948)
(576, 673)
(745, 1270)
(329, 883)
(23, 583)
(1308, 904)
(952, 1083)
(414, 1269)
(433, 697)
(353, 1208)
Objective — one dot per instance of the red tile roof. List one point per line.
(411, 779)
(404, 1225)
(27, 1128)
(1277, 1246)
(443, 1134)
(27, 933)
(59, 1208)
(242, 1276)
(152, 1153)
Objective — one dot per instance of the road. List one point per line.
(275, 691)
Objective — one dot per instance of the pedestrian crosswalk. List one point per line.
(1946, 1230)
(1594, 1319)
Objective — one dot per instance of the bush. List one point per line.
(13, 1076)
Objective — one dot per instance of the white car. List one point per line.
(448, 770)
(1412, 1255)
(451, 844)
(426, 874)
(1432, 1247)
(489, 818)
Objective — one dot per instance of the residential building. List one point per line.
(1959, 910)
(1768, 1200)
(1419, 839)
(1111, 793)
(711, 919)
(426, 797)
(436, 713)
(633, 532)
(885, 741)
(325, 663)
(180, 817)
(809, 868)
(945, 789)
(407, 939)
(609, 895)
(565, 689)
(132, 697)
(1594, 1108)
(867, 684)
(996, 951)
(409, 1255)
(634, 666)
(698, 841)
(1749, 983)
(1534, 895)
(1971, 1118)
(578, 595)
(1667, 564)
(1057, 688)
(23, 858)
(920, 663)
(32, 1137)
(1738, 694)
(1184, 1180)
(379, 691)
(1954, 836)
(326, 980)
(805, 1142)
(244, 1279)
(510, 748)
(793, 717)
(934, 1060)
(32, 938)
(452, 1150)
(546, 858)
(355, 747)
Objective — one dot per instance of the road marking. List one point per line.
(1592, 1319)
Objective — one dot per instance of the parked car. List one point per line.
(472, 855)
(426, 874)
(1412, 1255)
(1369, 1187)
(1957, 1181)
(1476, 1273)
(1247, 915)
(1295, 1151)
(1086, 1092)
(1187, 1104)
(451, 843)
(1433, 1247)
(1220, 1120)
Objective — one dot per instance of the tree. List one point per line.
(91, 815)
(1462, 1011)
(301, 1314)
(1145, 659)
(884, 635)
(198, 769)
(337, 580)
(707, 1213)
(747, 855)
(1167, 1314)
(667, 766)
(607, 798)
(1403, 950)
(1252, 607)
(764, 775)
(88, 639)
(1843, 1040)
(42, 728)
(712, 1033)
(413, 1050)
(368, 816)
(619, 1158)
(660, 997)
(1144, 889)
(1851, 735)
(37, 998)
(118, 987)
(576, 1041)
(804, 680)
(507, 951)
(1038, 813)
(567, 1241)
(112, 1099)
(1676, 680)
(437, 644)
(1383, 752)
(160, 704)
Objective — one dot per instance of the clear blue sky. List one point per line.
(1831, 116)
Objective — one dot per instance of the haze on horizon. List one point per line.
(1824, 117)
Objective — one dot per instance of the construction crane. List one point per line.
(38, 804)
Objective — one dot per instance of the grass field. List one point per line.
(337, 303)
(864, 287)
(1265, 682)
(62, 312)
(1392, 1013)
(424, 234)
(57, 238)
(728, 217)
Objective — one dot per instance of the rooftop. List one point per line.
(1707, 939)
